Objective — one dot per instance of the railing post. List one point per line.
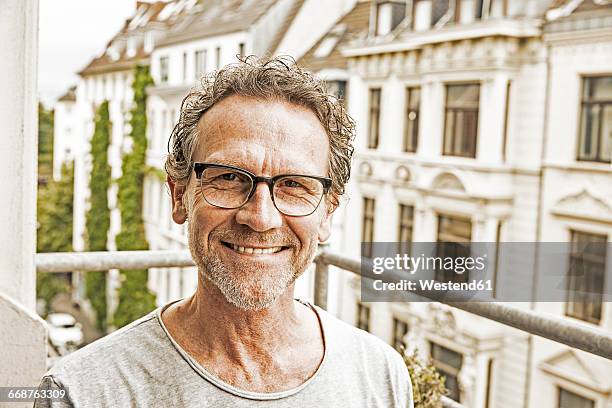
(321, 278)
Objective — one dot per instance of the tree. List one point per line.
(135, 299)
(54, 230)
(45, 144)
(97, 219)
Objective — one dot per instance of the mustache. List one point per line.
(244, 235)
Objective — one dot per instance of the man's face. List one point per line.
(267, 138)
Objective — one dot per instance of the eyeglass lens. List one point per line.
(230, 188)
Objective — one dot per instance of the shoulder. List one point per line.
(379, 365)
(114, 349)
(360, 343)
(340, 332)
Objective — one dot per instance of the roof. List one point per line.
(69, 96)
(297, 5)
(158, 14)
(326, 53)
(216, 17)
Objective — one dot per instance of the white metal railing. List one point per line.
(591, 339)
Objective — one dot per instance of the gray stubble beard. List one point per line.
(259, 291)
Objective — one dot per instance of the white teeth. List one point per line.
(248, 250)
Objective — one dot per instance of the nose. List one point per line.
(259, 213)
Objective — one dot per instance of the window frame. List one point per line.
(164, 69)
(586, 311)
(374, 94)
(446, 369)
(562, 389)
(455, 110)
(396, 338)
(368, 220)
(581, 118)
(363, 317)
(411, 133)
(199, 61)
(405, 223)
(441, 251)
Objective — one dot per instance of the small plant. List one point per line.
(427, 383)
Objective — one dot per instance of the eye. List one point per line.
(228, 176)
(291, 183)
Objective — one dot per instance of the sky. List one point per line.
(71, 33)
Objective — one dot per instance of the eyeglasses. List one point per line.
(231, 187)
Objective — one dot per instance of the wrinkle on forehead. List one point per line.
(263, 136)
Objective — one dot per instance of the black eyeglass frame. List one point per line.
(199, 168)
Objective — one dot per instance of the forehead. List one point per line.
(263, 136)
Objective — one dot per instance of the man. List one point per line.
(256, 166)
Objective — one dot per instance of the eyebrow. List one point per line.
(235, 163)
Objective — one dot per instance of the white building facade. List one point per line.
(64, 131)
(576, 201)
(467, 131)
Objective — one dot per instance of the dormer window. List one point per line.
(426, 14)
(389, 14)
(149, 41)
(421, 15)
(131, 47)
(163, 69)
(467, 11)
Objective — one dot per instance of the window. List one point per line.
(374, 123)
(363, 317)
(367, 231)
(400, 329)
(337, 88)
(467, 11)
(438, 10)
(404, 236)
(163, 69)
(454, 235)
(389, 14)
(587, 263)
(218, 57)
(200, 63)
(411, 122)
(461, 120)
(184, 66)
(448, 363)
(241, 49)
(595, 142)
(568, 399)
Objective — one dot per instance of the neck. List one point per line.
(267, 350)
(218, 326)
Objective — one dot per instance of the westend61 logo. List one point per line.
(485, 271)
(412, 264)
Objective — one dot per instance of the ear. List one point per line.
(325, 226)
(177, 191)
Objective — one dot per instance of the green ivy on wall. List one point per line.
(97, 219)
(135, 299)
(54, 231)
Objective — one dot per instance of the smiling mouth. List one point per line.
(253, 250)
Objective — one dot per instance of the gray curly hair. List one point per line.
(274, 79)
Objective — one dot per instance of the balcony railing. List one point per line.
(573, 334)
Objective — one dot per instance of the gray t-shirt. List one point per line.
(141, 365)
